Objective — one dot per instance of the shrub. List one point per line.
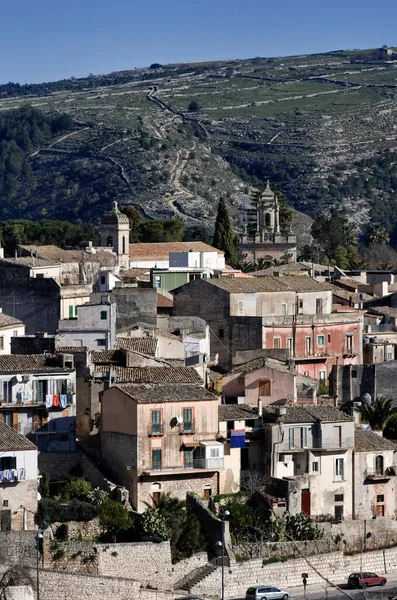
(51, 511)
(78, 488)
(114, 517)
(193, 106)
(155, 525)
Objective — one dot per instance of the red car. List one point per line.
(365, 579)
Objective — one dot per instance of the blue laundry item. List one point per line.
(64, 400)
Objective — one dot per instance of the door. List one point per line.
(305, 502)
(308, 346)
(5, 520)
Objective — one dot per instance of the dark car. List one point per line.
(365, 579)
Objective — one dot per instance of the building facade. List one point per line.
(9, 327)
(93, 327)
(18, 481)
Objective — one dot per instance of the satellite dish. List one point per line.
(18, 378)
(179, 419)
(366, 398)
(38, 496)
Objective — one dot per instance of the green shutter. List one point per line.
(71, 312)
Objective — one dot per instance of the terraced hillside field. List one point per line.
(322, 127)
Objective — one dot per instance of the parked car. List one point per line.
(266, 592)
(365, 579)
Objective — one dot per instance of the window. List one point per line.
(300, 303)
(241, 380)
(315, 466)
(389, 356)
(319, 306)
(379, 465)
(103, 279)
(214, 452)
(267, 220)
(284, 310)
(101, 342)
(289, 344)
(291, 437)
(15, 333)
(308, 345)
(349, 343)
(380, 498)
(104, 315)
(109, 242)
(338, 512)
(8, 462)
(303, 437)
(123, 244)
(188, 458)
(329, 338)
(5, 503)
(241, 307)
(339, 469)
(320, 340)
(306, 373)
(338, 497)
(354, 373)
(220, 333)
(276, 343)
(71, 312)
(187, 419)
(265, 387)
(76, 308)
(156, 422)
(323, 375)
(156, 460)
(155, 499)
(207, 492)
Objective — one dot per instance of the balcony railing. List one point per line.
(377, 474)
(193, 463)
(317, 444)
(12, 475)
(155, 429)
(187, 427)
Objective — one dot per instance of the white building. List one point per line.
(311, 448)
(94, 327)
(162, 255)
(195, 259)
(9, 327)
(34, 390)
(18, 481)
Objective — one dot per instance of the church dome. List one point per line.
(115, 217)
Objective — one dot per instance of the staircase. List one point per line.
(194, 577)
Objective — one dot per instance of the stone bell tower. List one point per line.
(115, 233)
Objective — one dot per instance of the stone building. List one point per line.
(375, 482)
(9, 327)
(93, 327)
(312, 448)
(161, 438)
(263, 237)
(18, 481)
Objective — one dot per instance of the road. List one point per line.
(318, 591)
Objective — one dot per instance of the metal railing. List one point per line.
(378, 473)
(154, 429)
(187, 427)
(193, 463)
(318, 444)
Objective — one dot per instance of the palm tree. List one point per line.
(378, 235)
(378, 414)
(356, 264)
(263, 264)
(385, 266)
(248, 267)
(166, 504)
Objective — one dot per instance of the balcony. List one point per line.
(193, 464)
(12, 476)
(155, 429)
(372, 474)
(187, 427)
(318, 444)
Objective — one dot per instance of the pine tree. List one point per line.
(224, 237)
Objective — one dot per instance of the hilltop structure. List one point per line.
(263, 238)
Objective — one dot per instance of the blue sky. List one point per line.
(43, 40)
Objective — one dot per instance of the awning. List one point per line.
(191, 444)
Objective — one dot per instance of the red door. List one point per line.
(305, 502)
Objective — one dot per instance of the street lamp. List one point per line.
(39, 542)
(221, 544)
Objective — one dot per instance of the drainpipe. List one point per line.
(353, 486)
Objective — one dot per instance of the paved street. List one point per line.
(318, 591)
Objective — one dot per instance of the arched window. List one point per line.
(109, 242)
(123, 244)
(379, 465)
(265, 388)
(267, 220)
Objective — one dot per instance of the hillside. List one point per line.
(316, 125)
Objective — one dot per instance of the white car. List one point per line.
(266, 592)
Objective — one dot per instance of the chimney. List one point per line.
(260, 407)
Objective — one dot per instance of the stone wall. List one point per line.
(21, 500)
(383, 532)
(80, 529)
(335, 566)
(134, 305)
(186, 566)
(286, 549)
(58, 464)
(17, 547)
(19, 592)
(210, 524)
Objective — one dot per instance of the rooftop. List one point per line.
(115, 217)
(29, 363)
(167, 393)
(304, 414)
(295, 268)
(138, 274)
(71, 349)
(384, 311)
(11, 440)
(161, 250)
(261, 363)
(260, 283)
(158, 375)
(367, 441)
(236, 412)
(54, 255)
(8, 321)
(144, 345)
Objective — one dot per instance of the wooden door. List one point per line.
(305, 502)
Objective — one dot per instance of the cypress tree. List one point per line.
(224, 237)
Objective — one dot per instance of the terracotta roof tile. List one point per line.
(70, 349)
(236, 412)
(11, 440)
(167, 393)
(24, 363)
(161, 250)
(56, 255)
(8, 321)
(367, 441)
(159, 375)
(144, 345)
(304, 414)
(383, 310)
